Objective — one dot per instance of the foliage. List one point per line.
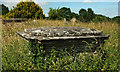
(91, 14)
(86, 16)
(26, 10)
(59, 14)
(3, 9)
(16, 54)
(116, 19)
(74, 15)
(83, 16)
(39, 15)
(101, 18)
(64, 13)
(53, 14)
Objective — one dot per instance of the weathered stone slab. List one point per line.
(53, 33)
(64, 37)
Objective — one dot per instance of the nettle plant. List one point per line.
(67, 58)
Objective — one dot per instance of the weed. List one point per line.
(18, 54)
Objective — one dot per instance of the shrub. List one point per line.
(116, 19)
(101, 18)
(26, 10)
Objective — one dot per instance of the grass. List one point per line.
(16, 56)
(0, 45)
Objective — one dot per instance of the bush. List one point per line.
(39, 15)
(101, 18)
(26, 10)
(116, 19)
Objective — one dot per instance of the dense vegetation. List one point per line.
(59, 14)
(33, 11)
(3, 9)
(26, 10)
(17, 56)
(83, 16)
(116, 19)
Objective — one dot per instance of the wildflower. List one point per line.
(102, 69)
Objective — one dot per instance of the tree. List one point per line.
(116, 19)
(64, 13)
(101, 18)
(60, 14)
(82, 11)
(83, 15)
(74, 15)
(53, 14)
(39, 15)
(3, 9)
(86, 15)
(26, 10)
(91, 15)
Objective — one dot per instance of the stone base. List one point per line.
(79, 45)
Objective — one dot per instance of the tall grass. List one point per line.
(17, 56)
(0, 45)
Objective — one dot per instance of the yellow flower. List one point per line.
(102, 69)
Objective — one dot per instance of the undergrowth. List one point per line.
(16, 53)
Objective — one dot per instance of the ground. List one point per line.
(15, 53)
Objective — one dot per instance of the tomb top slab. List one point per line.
(55, 33)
